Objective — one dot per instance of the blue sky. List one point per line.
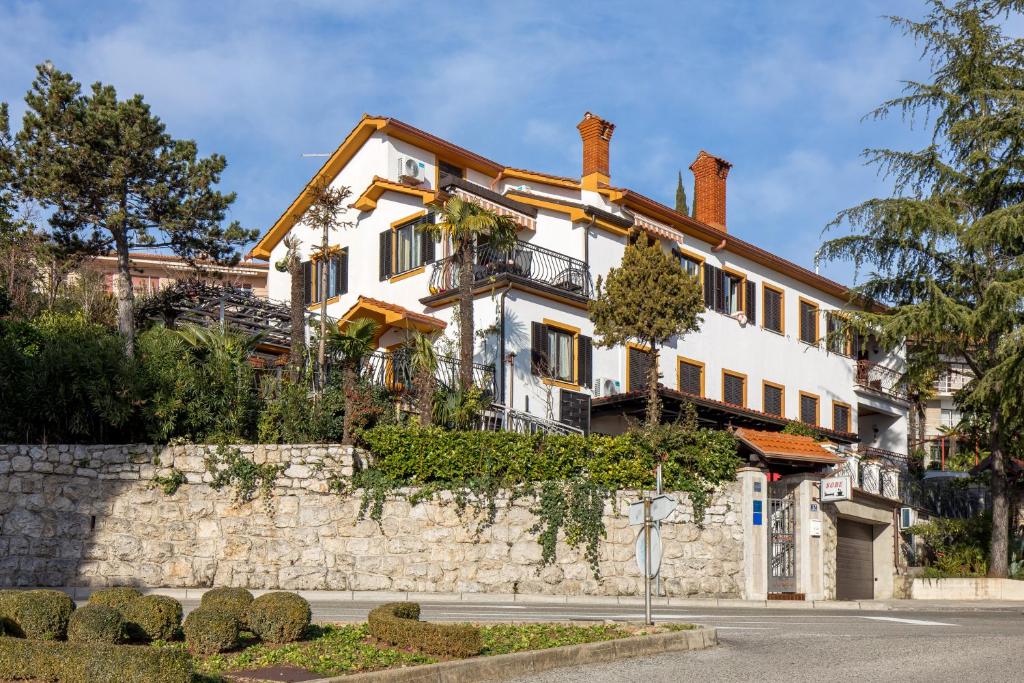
(777, 88)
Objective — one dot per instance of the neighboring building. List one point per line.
(936, 425)
(153, 272)
(763, 356)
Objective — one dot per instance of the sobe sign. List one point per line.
(836, 488)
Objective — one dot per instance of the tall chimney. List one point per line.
(596, 133)
(709, 174)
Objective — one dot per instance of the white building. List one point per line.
(761, 358)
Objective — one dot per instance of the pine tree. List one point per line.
(115, 180)
(648, 299)
(681, 206)
(946, 251)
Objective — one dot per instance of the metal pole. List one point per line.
(647, 559)
(657, 580)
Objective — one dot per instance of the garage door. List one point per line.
(855, 575)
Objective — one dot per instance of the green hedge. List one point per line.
(37, 614)
(279, 617)
(57, 662)
(208, 632)
(153, 617)
(97, 624)
(118, 597)
(398, 623)
(233, 601)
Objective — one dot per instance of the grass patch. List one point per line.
(503, 639)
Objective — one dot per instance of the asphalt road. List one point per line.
(791, 645)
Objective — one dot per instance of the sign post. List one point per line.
(647, 513)
(647, 559)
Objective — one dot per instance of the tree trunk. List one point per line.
(125, 299)
(348, 390)
(425, 397)
(466, 315)
(297, 356)
(321, 354)
(999, 551)
(653, 399)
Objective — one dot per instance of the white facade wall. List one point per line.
(721, 344)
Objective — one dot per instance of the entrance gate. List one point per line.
(781, 545)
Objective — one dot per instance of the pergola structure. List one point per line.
(209, 305)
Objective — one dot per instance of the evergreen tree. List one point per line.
(648, 299)
(681, 206)
(7, 173)
(946, 251)
(115, 180)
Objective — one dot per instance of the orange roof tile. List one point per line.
(788, 446)
(402, 312)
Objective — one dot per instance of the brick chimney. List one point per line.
(709, 174)
(596, 133)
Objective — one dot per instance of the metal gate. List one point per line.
(781, 545)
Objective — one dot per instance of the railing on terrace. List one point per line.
(880, 379)
(499, 418)
(393, 370)
(524, 260)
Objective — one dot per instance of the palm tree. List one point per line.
(464, 223)
(353, 344)
(292, 264)
(423, 363)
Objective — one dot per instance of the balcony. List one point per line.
(393, 370)
(879, 379)
(524, 263)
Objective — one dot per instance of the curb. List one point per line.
(503, 667)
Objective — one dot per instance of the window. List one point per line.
(734, 388)
(444, 168)
(773, 399)
(840, 416)
(732, 290)
(406, 246)
(690, 264)
(337, 277)
(950, 417)
(808, 408)
(691, 377)
(729, 293)
(836, 337)
(773, 311)
(808, 322)
(638, 368)
(560, 353)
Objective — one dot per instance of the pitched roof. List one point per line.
(786, 446)
(396, 313)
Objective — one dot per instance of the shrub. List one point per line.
(118, 597)
(208, 632)
(153, 617)
(233, 601)
(398, 623)
(92, 663)
(97, 624)
(279, 617)
(36, 614)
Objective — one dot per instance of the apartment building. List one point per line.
(768, 351)
(152, 272)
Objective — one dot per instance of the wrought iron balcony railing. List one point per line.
(393, 369)
(524, 260)
(499, 418)
(880, 379)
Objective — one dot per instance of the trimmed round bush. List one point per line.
(118, 597)
(279, 617)
(97, 624)
(208, 631)
(153, 617)
(398, 623)
(36, 614)
(233, 601)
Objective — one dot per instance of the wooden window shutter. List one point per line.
(385, 255)
(840, 418)
(639, 368)
(772, 310)
(808, 410)
(772, 400)
(720, 291)
(342, 285)
(307, 282)
(539, 349)
(709, 285)
(428, 240)
(750, 302)
(689, 378)
(734, 390)
(585, 361)
(808, 323)
(574, 409)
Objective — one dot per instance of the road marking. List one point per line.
(744, 628)
(916, 622)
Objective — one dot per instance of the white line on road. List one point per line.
(916, 622)
(744, 628)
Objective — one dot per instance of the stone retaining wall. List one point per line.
(91, 516)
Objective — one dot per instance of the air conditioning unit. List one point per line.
(410, 171)
(605, 386)
(908, 518)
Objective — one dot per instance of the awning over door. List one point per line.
(390, 316)
(776, 447)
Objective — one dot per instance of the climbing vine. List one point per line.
(570, 478)
(169, 483)
(228, 467)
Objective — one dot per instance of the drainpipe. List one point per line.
(719, 247)
(501, 341)
(586, 242)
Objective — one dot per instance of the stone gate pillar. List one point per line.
(754, 506)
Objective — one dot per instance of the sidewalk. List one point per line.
(81, 593)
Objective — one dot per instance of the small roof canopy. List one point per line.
(788, 448)
(388, 316)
